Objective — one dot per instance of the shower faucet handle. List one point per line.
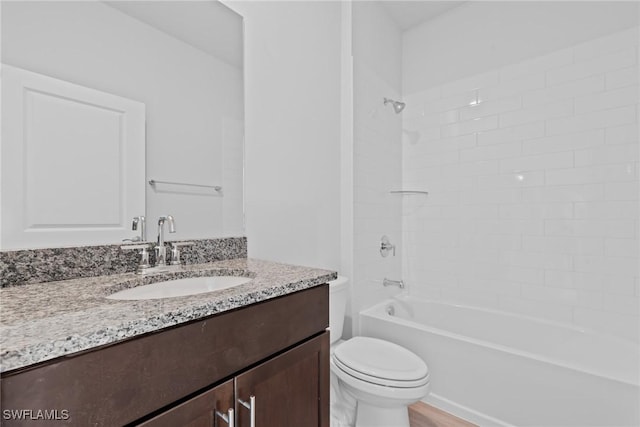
(386, 247)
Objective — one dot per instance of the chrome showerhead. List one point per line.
(397, 105)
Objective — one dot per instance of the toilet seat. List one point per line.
(380, 362)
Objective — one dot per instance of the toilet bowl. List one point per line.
(383, 378)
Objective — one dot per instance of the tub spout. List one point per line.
(389, 282)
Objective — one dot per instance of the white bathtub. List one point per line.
(494, 368)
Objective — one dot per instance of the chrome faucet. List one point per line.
(161, 250)
(139, 222)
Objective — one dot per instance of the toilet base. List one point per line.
(376, 416)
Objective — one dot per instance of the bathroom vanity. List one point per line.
(254, 355)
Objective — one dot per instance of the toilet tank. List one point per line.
(338, 294)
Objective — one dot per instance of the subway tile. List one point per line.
(564, 245)
(439, 158)
(592, 174)
(606, 100)
(568, 142)
(527, 307)
(620, 40)
(506, 89)
(544, 161)
(508, 226)
(608, 283)
(622, 304)
(471, 297)
(470, 126)
(594, 120)
(590, 228)
(611, 209)
(622, 247)
(418, 136)
(492, 195)
(564, 91)
(553, 295)
(451, 102)
(447, 144)
(533, 259)
(488, 108)
(622, 191)
(477, 81)
(492, 242)
(622, 78)
(475, 168)
(539, 211)
(498, 287)
(415, 102)
(607, 154)
(470, 211)
(525, 275)
(511, 134)
(538, 64)
(626, 134)
(537, 113)
(510, 180)
(434, 119)
(597, 65)
(563, 193)
(559, 279)
(589, 299)
(498, 151)
(623, 325)
(626, 266)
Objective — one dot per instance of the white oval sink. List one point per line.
(179, 287)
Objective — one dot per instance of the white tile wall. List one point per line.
(533, 174)
(377, 170)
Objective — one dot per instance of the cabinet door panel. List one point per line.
(199, 411)
(291, 390)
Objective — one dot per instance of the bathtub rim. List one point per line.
(378, 311)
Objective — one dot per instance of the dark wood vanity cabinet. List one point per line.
(276, 351)
(199, 411)
(287, 390)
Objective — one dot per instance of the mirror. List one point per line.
(155, 86)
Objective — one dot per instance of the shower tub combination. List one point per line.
(495, 368)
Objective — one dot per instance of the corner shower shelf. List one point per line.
(153, 182)
(409, 192)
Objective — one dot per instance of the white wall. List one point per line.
(532, 165)
(193, 100)
(292, 146)
(483, 35)
(377, 45)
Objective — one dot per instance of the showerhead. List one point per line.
(397, 105)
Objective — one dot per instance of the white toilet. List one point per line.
(384, 378)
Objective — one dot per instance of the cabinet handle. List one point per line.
(228, 417)
(251, 406)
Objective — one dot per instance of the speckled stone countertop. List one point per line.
(43, 321)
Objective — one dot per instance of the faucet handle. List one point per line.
(386, 247)
(175, 251)
(144, 254)
(139, 222)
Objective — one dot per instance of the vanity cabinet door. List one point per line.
(289, 390)
(199, 411)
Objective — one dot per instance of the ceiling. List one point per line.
(206, 25)
(408, 14)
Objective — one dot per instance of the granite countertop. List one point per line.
(43, 321)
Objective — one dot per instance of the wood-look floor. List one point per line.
(423, 415)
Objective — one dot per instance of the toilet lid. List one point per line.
(381, 362)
